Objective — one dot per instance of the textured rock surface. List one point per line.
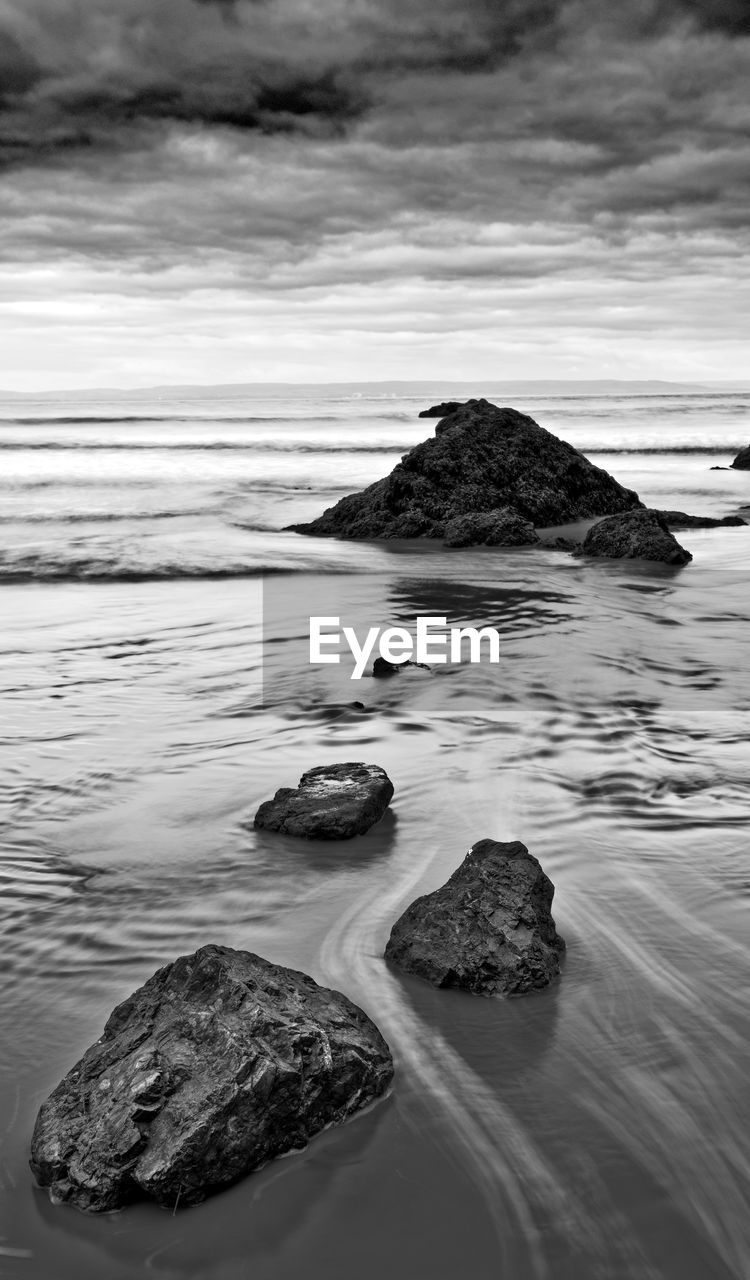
(218, 1063)
(488, 929)
(332, 802)
(681, 520)
(503, 528)
(441, 410)
(635, 535)
(742, 461)
(481, 458)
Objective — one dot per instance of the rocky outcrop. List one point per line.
(742, 461)
(503, 528)
(220, 1062)
(332, 802)
(635, 535)
(488, 929)
(480, 459)
(441, 410)
(681, 520)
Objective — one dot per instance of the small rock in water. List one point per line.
(635, 535)
(219, 1062)
(502, 528)
(742, 461)
(332, 802)
(441, 410)
(488, 929)
(681, 520)
(381, 668)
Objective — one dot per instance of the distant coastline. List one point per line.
(491, 387)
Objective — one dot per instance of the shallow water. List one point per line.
(597, 1130)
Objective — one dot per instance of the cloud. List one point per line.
(385, 154)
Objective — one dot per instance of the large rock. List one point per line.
(332, 802)
(503, 528)
(481, 458)
(635, 535)
(742, 461)
(488, 929)
(681, 520)
(220, 1062)
(441, 410)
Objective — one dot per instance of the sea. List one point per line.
(155, 687)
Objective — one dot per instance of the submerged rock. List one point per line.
(441, 410)
(742, 461)
(332, 802)
(503, 528)
(488, 929)
(382, 668)
(480, 459)
(635, 535)
(681, 520)
(218, 1063)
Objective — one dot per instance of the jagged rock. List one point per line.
(488, 929)
(742, 461)
(503, 528)
(332, 802)
(441, 410)
(635, 535)
(480, 459)
(680, 520)
(218, 1063)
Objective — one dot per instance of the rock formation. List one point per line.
(480, 459)
(218, 1063)
(441, 410)
(635, 535)
(332, 802)
(488, 929)
(681, 520)
(742, 461)
(503, 528)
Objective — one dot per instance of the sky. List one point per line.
(326, 190)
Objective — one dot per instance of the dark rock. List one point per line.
(441, 410)
(503, 528)
(718, 468)
(220, 1062)
(480, 459)
(680, 520)
(635, 535)
(381, 667)
(488, 929)
(742, 461)
(332, 802)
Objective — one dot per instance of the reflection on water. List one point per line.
(595, 1130)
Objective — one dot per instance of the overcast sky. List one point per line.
(246, 190)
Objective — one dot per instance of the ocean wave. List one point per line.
(73, 420)
(196, 446)
(50, 570)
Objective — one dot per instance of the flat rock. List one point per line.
(220, 1062)
(332, 802)
(681, 520)
(441, 410)
(488, 929)
(503, 528)
(635, 535)
(742, 461)
(480, 459)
